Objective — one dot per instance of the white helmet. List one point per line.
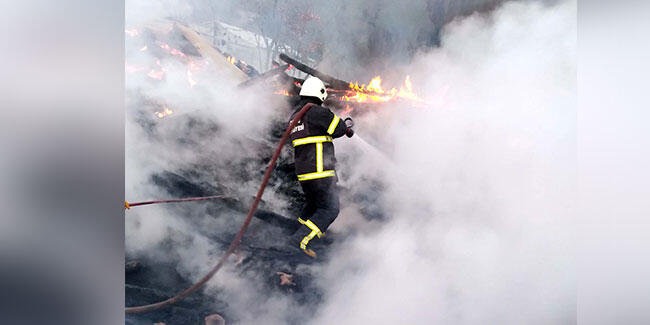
(313, 87)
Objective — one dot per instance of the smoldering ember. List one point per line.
(343, 162)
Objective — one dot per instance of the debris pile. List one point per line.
(263, 258)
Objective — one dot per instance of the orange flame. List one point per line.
(374, 92)
(165, 112)
(191, 65)
(406, 90)
(231, 59)
(282, 92)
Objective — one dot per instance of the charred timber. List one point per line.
(333, 82)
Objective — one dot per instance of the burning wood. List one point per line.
(283, 92)
(207, 51)
(374, 92)
(198, 53)
(353, 92)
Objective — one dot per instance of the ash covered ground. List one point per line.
(264, 259)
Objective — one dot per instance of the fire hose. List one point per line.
(242, 230)
(128, 205)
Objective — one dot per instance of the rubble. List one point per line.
(214, 319)
(263, 247)
(286, 279)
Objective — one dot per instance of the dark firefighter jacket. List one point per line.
(311, 139)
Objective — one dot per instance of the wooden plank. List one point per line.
(218, 61)
(331, 81)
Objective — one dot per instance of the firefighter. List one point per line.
(315, 163)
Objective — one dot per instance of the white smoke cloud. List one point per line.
(157, 145)
(140, 12)
(480, 186)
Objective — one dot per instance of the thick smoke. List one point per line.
(210, 123)
(477, 185)
(363, 38)
(481, 184)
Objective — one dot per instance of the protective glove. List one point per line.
(349, 123)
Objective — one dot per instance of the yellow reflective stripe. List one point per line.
(311, 226)
(326, 173)
(314, 232)
(308, 140)
(305, 241)
(319, 157)
(335, 122)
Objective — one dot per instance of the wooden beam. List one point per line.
(207, 51)
(333, 82)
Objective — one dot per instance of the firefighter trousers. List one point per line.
(320, 210)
